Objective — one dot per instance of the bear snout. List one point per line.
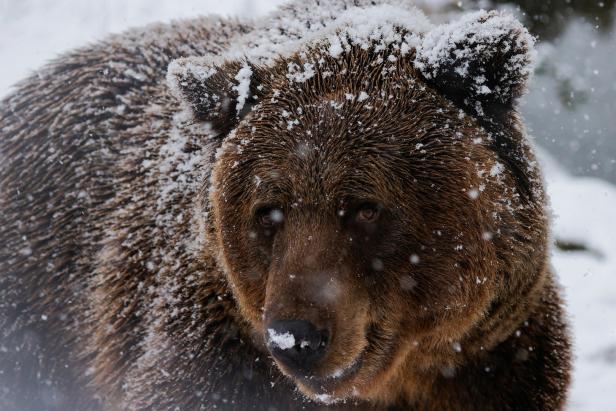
(297, 344)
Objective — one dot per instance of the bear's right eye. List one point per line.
(268, 217)
(367, 213)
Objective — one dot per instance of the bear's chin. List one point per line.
(351, 381)
(328, 394)
(334, 387)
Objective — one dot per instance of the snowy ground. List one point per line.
(584, 210)
(33, 31)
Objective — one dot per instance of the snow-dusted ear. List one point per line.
(218, 94)
(482, 61)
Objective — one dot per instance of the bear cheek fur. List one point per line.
(243, 266)
(454, 280)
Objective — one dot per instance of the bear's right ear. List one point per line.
(218, 94)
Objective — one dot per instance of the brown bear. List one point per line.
(334, 207)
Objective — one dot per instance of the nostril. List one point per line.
(296, 343)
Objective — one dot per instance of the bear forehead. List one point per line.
(339, 144)
(314, 95)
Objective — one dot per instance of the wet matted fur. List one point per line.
(134, 273)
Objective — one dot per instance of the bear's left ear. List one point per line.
(482, 62)
(218, 94)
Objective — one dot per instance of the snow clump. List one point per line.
(243, 87)
(284, 341)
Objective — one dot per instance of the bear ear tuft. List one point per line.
(482, 62)
(218, 94)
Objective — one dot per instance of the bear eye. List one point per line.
(268, 217)
(367, 213)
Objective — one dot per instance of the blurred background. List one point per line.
(570, 112)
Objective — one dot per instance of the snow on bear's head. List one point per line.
(482, 61)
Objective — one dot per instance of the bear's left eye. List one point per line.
(368, 213)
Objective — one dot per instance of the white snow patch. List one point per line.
(284, 341)
(363, 96)
(473, 193)
(243, 86)
(181, 69)
(300, 74)
(335, 48)
(325, 398)
(336, 27)
(496, 169)
(26, 251)
(277, 216)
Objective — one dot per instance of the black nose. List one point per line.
(296, 343)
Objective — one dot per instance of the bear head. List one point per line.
(371, 201)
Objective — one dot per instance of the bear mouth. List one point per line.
(354, 379)
(344, 382)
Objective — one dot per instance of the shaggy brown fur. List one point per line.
(135, 272)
